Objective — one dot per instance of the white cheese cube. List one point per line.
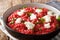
(18, 20)
(21, 12)
(47, 25)
(38, 10)
(50, 13)
(33, 16)
(29, 25)
(47, 18)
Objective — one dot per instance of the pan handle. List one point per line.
(1, 21)
(2, 27)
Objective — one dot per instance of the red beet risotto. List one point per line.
(33, 20)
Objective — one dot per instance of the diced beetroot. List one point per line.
(25, 17)
(38, 28)
(13, 15)
(26, 31)
(40, 15)
(53, 25)
(19, 26)
(45, 10)
(28, 19)
(38, 32)
(34, 21)
(53, 18)
(10, 25)
(29, 9)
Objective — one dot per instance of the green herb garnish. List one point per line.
(12, 22)
(37, 22)
(42, 20)
(29, 14)
(13, 19)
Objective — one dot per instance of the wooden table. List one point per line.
(5, 4)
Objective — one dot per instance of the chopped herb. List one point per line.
(37, 22)
(12, 22)
(13, 19)
(29, 14)
(42, 20)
